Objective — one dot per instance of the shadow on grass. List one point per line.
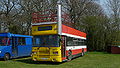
(1, 59)
(30, 61)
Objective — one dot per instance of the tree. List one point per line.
(95, 27)
(31, 6)
(9, 13)
(89, 17)
(81, 8)
(114, 9)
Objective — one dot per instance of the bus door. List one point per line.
(14, 46)
(63, 46)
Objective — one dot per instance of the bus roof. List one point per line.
(13, 35)
(71, 32)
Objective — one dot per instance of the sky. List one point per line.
(101, 2)
(104, 6)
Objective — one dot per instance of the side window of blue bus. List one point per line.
(21, 41)
(10, 41)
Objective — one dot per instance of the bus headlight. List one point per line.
(0, 51)
(56, 52)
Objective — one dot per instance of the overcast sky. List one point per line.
(104, 6)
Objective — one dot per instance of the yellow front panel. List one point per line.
(35, 30)
(47, 54)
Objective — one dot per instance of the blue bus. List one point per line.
(15, 45)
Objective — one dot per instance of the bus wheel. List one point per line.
(69, 57)
(6, 56)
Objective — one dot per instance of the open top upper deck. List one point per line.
(50, 16)
(49, 22)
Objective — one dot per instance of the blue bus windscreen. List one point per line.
(4, 41)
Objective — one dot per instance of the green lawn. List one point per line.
(90, 60)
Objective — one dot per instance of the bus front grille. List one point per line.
(45, 56)
(44, 52)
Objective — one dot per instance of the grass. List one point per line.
(90, 60)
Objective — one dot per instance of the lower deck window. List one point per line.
(75, 41)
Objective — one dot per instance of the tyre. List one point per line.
(69, 57)
(6, 56)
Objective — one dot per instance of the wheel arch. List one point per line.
(8, 53)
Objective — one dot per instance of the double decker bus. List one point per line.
(54, 41)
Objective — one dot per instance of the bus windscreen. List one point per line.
(46, 41)
(4, 41)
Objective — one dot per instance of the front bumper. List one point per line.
(48, 58)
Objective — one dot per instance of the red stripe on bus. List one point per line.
(63, 58)
(69, 30)
(76, 51)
